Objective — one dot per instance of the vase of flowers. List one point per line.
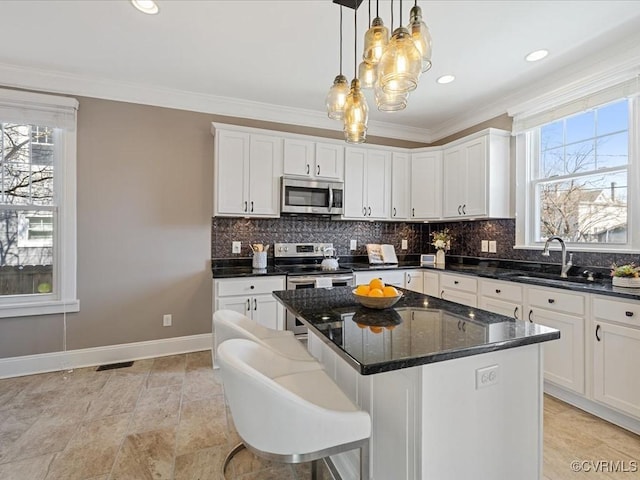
(627, 275)
(441, 241)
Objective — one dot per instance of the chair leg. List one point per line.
(229, 456)
(364, 461)
(314, 470)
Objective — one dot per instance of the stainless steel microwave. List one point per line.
(301, 195)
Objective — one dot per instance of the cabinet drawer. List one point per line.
(249, 285)
(459, 282)
(616, 311)
(457, 296)
(552, 299)
(501, 290)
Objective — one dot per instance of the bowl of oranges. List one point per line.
(376, 294)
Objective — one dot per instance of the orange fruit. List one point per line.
(375, 329)
(362, 290)
(390, 291)
(390, 327)
(376, 283)
(361, 325)
(376, 292)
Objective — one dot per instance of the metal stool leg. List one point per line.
(229, 456)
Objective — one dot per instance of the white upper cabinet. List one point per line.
(247, 171)
(367, 184)
(426, 185)
(476, 176)
(311, 159)
(400, 164)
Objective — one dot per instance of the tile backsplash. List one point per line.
(467, 237)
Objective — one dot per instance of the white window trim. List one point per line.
(525, 197)
(59, 112)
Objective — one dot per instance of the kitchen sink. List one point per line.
(549, 279)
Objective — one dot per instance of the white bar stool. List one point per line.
(228, 324)
(285, 414)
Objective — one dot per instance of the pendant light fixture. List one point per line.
(367, 71)
(337, 96)
(421, 35)
(389, 101)
(356, 111)
(401, 62)
(375, 40)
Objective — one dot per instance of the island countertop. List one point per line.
(417, 330)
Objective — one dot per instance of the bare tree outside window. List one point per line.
(27, 209)
(581, 177)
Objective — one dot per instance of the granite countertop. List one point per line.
(417, 330)
(244, 271)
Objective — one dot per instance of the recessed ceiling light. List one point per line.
(537, 55)
(446, 79)
(146, 6)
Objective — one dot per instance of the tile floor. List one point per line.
(165, 418)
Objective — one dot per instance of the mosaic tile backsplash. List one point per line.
(466, 238)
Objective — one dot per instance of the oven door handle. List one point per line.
(309, 280)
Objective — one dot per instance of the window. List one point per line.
(37, 204)
(577, 164)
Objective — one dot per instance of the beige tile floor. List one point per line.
(165, 418)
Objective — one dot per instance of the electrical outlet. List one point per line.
(353, 244)
(235, 247)
(484, 246)
(166, 320)
(493, 248)
(404, 244)
(487, 376)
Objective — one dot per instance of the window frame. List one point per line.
(526, 154)
(59, 113)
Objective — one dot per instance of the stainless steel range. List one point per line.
(302, 264)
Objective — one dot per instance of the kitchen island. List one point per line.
(454, 392)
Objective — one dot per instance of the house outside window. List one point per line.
(37, 204)
(576, 166)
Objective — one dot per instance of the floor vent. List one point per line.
(112, 366)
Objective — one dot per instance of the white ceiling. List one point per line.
(275, 60)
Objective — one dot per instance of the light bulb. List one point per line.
(375, 41)
(401, 64)
(337, 97)
(421, 37)
(367, 74)
(356, 114)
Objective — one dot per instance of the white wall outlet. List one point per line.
(404, 244)
(235, 247)
(493, 248)
(166, 320)
(487, 376)
(353, 244)
(484, 246)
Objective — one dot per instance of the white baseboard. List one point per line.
(87, 357)
(606, 413)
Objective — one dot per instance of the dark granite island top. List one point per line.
(417, 330)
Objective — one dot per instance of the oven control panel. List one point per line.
(301, 249)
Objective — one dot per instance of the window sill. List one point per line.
(42, 308)
(574, 248)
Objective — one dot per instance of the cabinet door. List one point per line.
(378, 184)
(298, 157)
(400, 186)
(267, 311)
(231, 173)
(431, 284)
(563, 358)
(329, 161)
(241, 305)
(265, 162)
(475, 178)
(354, 182)
(413, 280)
(616, 356)
(509, 309)
(453, 183)
(426, 185)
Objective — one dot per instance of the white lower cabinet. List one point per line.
(615, 337)
(431, 283)
(504, 298)
(414, 280)
(251, 296)
(564, 359)
(459, 289)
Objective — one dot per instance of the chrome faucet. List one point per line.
(565, 265)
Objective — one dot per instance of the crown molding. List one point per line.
(70, 84)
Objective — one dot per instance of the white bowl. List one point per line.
(376, 302)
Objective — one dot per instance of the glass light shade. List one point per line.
(375, 41)
(356, 115)
(337, 97)
(401, 64)
(421, 37)
(367, 74)
(390, 102)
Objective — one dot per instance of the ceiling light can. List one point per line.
(444, 79)
(536, 55)
(146, 6)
